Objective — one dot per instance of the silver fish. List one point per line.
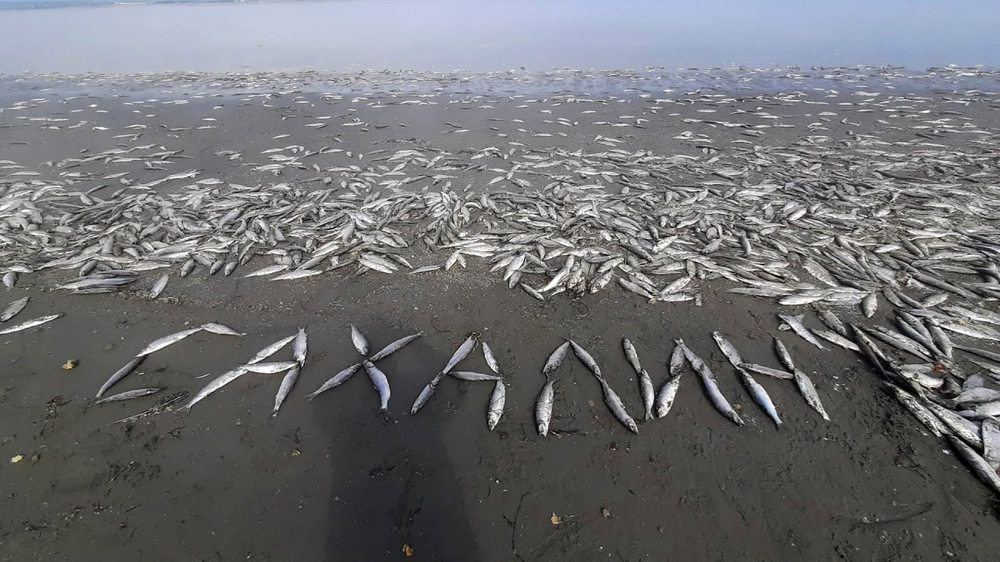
(560, 275)
(668, 392)
(631, 355)
(221, 329)
(555, 359)
(759, 395)
(473, 376)
(795, 322)
(869, 305)
(991, 443)
(808, 391)
(13, 309)
(767, 371)
(299, 347)
(335, 381)
(728, 349)
(297, 274)
(979, 466)
(426, 393)
(711, 387)
(271, 350)
(30, 324)
(128, 395)
(617, 407)
(271, 269)
(381, 383)
(462, 352)
(120, 374)
(918, 410)
(394, 347)
(491, 359)
(837, 339)
(783, 355)
(270, 367)
(543, 406)
(158, 287)
(956, 425)
(167, 340)
(832, 322)
(586, 359)
(495, 410)
(215, 384)
(359, 340)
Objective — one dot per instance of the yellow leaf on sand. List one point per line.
(407, 550)
(16, 458)
(296, 452)
(555, 519)
(71, 364)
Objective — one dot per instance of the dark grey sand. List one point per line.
(333, 480)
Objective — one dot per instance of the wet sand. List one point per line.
(333, 480)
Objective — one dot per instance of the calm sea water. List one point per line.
(163, 35)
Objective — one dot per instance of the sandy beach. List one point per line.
(332, 478)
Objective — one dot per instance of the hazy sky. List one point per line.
(499, 35)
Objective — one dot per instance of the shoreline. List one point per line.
(348, 482)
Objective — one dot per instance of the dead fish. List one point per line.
(167, 340)
(491, 359)
(394, 347)
(869, 305)
(271, 350)
(462, 352)
(270, 367)
(30, 324)
(617, 407)
(158, 287)
(473, 376)
(808, 391)
(837, 339)
(956, 425)
(922, 414)
(757, 391)
(831, 321)
(216, 383)
(286, 388)
(426, 393)
(381, 383)
(586, 359)
(979, 466)
(297, 274)
(128, 395)
(13, 309)
(299, 346)
(335, 381)
(991, 443)
(9, 279)
(767, 371)
(543, 406)
(495, 409)
(269, 270)
(668, 392)
(631, 355)
(711, 386)
(783, 355)
(222, 330)
(359, 340)
(795, 322)
(645, 382)
(120, 374)
(555, 359)
(187, 268)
